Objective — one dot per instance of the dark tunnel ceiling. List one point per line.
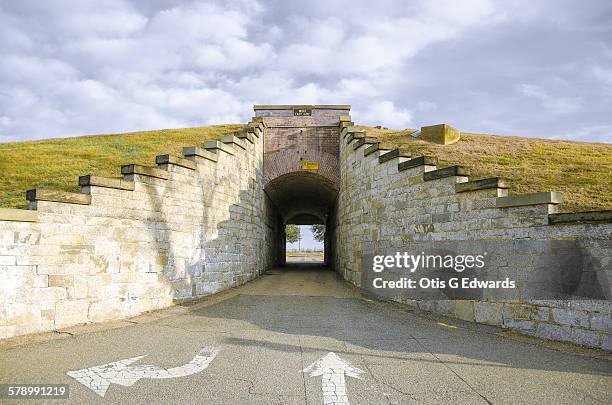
(302, 198)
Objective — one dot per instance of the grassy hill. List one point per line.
(58, 163)
(581, 171)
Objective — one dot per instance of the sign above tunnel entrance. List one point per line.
(310, 165)
(302, 112)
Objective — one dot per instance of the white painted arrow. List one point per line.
(333, 369)
(99, 378)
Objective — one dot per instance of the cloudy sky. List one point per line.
(536, 68)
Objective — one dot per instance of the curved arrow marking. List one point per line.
(99, 378)
(333, 384)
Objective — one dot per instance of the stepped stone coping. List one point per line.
(254, 126)
(39, 194)
(254, 132)
(177, 161)
(12, 214)
(416, 162)
(349, 129)
(218, 145)
(445, 172)
(549, 197)
(249, 136)
(191, 151)
(231, 139)
(362, 141)
(345, 118)
(260, 120)
(482, 184)
(371, 149)
(392, 154)
(355, 135)
(346, 124)
(145, 171)
(580, 217)
(108, 182)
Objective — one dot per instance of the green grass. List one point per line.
(581, 171)
(57, 163)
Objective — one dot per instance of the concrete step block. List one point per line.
(216, 146)
(366, 140)
(549, 197)
(194, 152)
(145, 171)
(11, 214)
(416, 162)
(108, 182)
(482, 184)
(445, 172)
(392, 154)
(174, 160)
(58, 196)
(581, 217)
(234, 141)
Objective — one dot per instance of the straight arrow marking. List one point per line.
(99, 378)
(333, 383)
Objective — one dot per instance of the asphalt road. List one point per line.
(267, 332)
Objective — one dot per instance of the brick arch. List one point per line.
(288, 161)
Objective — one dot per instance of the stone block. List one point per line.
(585, 337)
(483, 184)
(581, 217)
(57, 196)
(445, 172)
(442, 134)
(69, 313)
(601, 321)
(10, 214)
(517, 311)
(174, 160)
(145, 171)
(528, 199)
(104, 310)
(465, 310)
(107, 182)
(490, 313)
(554, 332)
(570, 317)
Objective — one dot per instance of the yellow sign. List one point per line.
(310, 165)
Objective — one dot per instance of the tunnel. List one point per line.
(301, 167)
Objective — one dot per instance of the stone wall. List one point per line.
(189, 227)
(391, 201)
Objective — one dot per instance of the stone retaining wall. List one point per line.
(190, 226)
(391, 201)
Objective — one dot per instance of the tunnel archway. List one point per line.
(302, 198)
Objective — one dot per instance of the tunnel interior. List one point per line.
(303, 198)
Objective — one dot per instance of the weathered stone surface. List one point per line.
(232, 140)
(529, 199)
(218, 146)
(483, 184)
(416, 162)
(445, 172)
(443, 134)
(488, 312)
(10, 214)
(174, 160)
(364, 141)
(580, 217)
(392, 154)
(145, 171)
(57, 196)
(193, 151)
(108, 182)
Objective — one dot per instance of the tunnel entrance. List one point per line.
(301, 169)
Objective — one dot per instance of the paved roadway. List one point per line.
(270, 330)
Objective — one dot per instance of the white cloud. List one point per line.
(69, 67)
(386, 114)
(553, 104)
